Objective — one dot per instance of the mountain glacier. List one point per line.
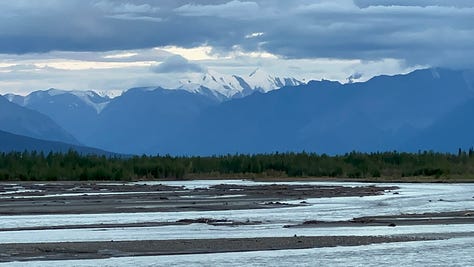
(222, 86)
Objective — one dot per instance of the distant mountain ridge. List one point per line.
(382, 114)
(90, 98)
(408, 112)
(132, 121)
(80, 112)
(224, 87)
(75, 111)
(17, 143)
(28, 122)
(211, 84)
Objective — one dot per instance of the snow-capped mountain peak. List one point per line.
(211, 84)
(230, 86)
(90, 98)
(109, 93)
(221, 84)
(261, 80)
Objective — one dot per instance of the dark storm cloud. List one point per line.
(353, 77)
(232, 9)
(437, 32)
(177, 64)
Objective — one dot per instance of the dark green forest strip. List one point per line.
(393, 166)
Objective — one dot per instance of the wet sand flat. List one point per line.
(96, 199)
(91, 198)
(97, 250)
(440, 218)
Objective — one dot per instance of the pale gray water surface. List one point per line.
(452, 252)
(411, 198)
(203, 231)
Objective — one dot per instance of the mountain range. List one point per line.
(12, 142)
(223, 87)
(76, 111)
(427, 109)
(24, 121)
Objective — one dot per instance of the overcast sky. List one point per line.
(114, 45)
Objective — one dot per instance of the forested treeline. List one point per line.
(73, 166)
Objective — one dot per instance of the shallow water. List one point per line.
(452, 252)
(203, 231)
(411, 198)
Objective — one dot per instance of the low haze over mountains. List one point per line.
(220, 114)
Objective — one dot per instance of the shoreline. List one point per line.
(380, 180)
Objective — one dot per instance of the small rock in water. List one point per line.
(392, 225)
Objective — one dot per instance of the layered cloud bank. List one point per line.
(97, 43)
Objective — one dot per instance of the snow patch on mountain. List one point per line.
(109, 93)
(211, 84)
(259, 79)
(221, 84)
(90, 98)
(230, 86)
